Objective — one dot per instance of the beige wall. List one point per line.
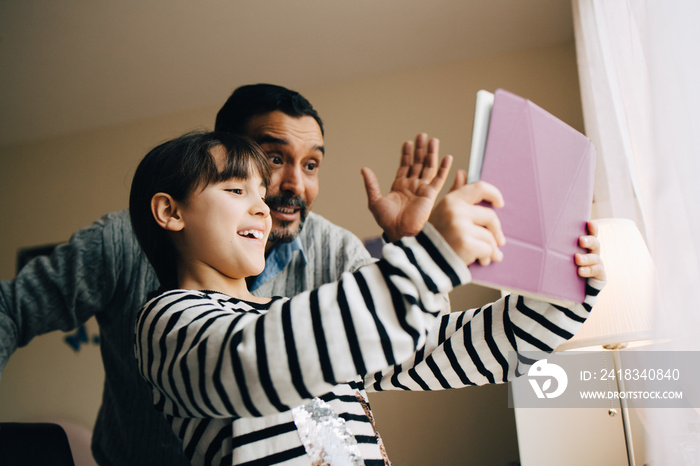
(48, 189)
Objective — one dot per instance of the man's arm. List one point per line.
(65, 289)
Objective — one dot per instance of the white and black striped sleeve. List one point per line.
(475, 347)
(207, 356)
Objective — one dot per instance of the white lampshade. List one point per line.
(623, 311)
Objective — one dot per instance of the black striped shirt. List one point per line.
(284, 382)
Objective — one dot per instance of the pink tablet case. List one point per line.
(545, 171)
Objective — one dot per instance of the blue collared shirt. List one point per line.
(280, 256)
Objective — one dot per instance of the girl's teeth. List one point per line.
(254, 233)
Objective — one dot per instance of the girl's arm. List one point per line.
(206, 356)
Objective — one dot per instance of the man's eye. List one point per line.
(311, 166)
(235, 190)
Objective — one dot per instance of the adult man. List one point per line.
(102, 272)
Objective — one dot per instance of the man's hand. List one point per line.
(590, 265)
(473, 231)
(419, 179)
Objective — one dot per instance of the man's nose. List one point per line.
(292, 180)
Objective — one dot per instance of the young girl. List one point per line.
(250, 380)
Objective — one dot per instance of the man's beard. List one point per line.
(283, 231)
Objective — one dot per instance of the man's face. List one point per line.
(295, 150)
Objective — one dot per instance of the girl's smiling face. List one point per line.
(226, 226)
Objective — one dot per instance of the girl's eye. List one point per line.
(235, 190)
(276, 160)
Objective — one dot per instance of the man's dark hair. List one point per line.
(252, 100)
(179, 167)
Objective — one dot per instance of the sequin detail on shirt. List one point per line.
(325, 436)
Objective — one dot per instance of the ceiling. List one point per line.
(76, 65)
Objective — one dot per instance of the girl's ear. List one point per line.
(166, 212)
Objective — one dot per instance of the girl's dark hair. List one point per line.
(258, 99)
(178, 168)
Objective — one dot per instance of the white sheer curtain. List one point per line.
(615, 98)
(639, 65)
